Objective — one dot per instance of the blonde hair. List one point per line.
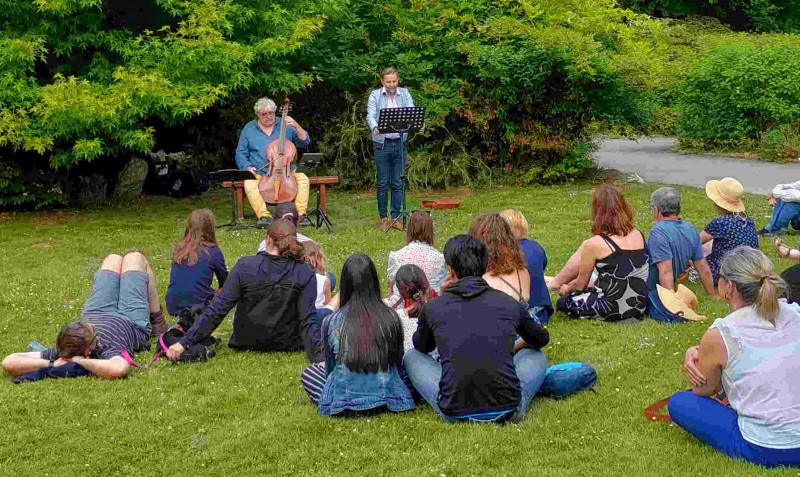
(517, 222)
(313, 255)
(753, 275)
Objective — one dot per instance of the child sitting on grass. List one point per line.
(195, 261)
(313, 255)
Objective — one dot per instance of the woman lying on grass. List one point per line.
(753, 354)
(363, 348)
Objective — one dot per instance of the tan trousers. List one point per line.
(257, 202)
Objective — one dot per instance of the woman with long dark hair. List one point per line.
(363, 345)
(415, 292)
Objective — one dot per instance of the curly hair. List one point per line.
(611, 214)
(505, 256)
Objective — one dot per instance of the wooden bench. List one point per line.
(318, 182)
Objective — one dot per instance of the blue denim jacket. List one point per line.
(346, 390)
(377, 101)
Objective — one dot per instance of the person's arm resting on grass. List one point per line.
(703, 364)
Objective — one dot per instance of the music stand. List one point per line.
(314, 159)
(401, 120)
(232, 176)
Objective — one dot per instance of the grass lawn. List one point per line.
(245, 413)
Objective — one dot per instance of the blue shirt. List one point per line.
(537, 262)
(674, 240)
(191, 284)
(252, 148)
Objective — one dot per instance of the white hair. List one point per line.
(264, 104)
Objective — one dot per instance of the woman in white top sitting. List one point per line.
(753, 355)
(418, 251)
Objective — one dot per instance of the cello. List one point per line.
(278, 185)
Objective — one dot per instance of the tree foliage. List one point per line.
(755, 15)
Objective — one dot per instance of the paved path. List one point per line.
(653, 161)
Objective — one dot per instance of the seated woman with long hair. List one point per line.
(753, 354)
(363, 348)
(419, 251)
(415, 292)
(617, 255)
(196, 259)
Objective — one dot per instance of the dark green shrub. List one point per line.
(737, 92)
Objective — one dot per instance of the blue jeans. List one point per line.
(390, 161)
(425, 374)
(784, 214)
(717, 425)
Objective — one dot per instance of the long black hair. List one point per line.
(371, 337)
(412, 284)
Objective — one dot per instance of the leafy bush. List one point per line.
(736, 92)
(781, 143)
(758, 15)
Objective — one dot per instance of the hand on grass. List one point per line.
(175, 351)
(690, 367)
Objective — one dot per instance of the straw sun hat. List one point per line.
(726, 193)
(682, 302)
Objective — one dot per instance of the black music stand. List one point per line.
(233, 175)
(314, 159)
(401, 120)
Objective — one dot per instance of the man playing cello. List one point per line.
(256, 136)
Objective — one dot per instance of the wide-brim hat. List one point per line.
(726, 193)
(682, 302)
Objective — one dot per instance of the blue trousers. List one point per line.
(390, 162)
(717, 425)
(425, 374)
(783, 214)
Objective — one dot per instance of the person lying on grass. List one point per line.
(753, 354)
(116, 319)
(479, 377)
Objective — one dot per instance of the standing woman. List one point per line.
(390, 149)
(753, 354)
(615, 256)
(196, 259)
(363, 348)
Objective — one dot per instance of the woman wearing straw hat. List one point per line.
(753, 354)
(731, 227)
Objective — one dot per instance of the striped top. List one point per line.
(114, 334)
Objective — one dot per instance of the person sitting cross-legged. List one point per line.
(116, 320)
(753, 355)
(674, 244)
(785, 198)
(363, 343)
(479, 377)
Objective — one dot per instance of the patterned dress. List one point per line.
(430, 260)
(729, 232)
(620, 291)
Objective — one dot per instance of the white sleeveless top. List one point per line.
(762, 377)
(320, 290)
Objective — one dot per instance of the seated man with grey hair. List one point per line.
(673, 244)
(251, 155)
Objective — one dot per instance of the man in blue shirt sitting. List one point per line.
(251, 155)
(674, 243)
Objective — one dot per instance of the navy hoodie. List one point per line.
(475, 326)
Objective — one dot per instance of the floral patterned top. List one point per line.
(430, 260)
(729, 231)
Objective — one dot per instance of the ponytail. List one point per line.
(767, 300)
(284, 237)
(754, 277)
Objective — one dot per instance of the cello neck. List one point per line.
(282, 134)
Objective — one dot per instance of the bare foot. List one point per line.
(783, 250)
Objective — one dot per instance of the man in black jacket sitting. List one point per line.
(274, 294)
(479, 377)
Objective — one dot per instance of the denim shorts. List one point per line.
(122, 296)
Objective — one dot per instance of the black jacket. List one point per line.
(274, 298)
(475, 326)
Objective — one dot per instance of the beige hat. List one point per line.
(726, 193)
(682, 302)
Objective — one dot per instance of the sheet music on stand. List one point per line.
(400, 120)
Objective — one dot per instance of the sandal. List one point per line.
(783, 250)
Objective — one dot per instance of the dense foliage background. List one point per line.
(514, 89)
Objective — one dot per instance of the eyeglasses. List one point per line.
(266, 113)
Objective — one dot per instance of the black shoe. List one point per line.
(304, 222)
(264, 222)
